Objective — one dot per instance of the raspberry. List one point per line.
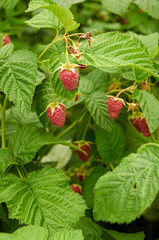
(145, 128)
(141, 126)
(56, 114)
(80, 174)
(81, 66)
(76, 188)
(114, 107)
(69, 78)
(132, 106)
(6, 39)
(125, 21)
(136, 122)
(85, 147)
(144, 86)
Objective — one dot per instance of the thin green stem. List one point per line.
(153, 138)
(19, 172)
(50, 45)
(54, 96)
(71, 126)
(84, 134)
(67, 62)
(123, 90)
(3, 122)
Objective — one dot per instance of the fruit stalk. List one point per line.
(3, 122)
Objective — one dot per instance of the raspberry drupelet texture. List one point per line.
(141, 125)
(57, 115)
(69, 78)
(145, 128)
(114, 107)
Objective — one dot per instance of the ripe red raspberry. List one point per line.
(136, 122)
(114, 107)
(56, 114)
(141, 125)
(6, 40)
(144, 128)
(85, 147)
(69, 78)
(76, 188)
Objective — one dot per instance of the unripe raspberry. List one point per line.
(69, 78)
(56, 114)
(81, 66)
(114, 106)
(132, 106)
(144, 86)
(6, 40)
(85, 147)
(76, 188)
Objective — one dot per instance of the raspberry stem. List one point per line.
(67, 62)
(54, 96)
(125, 89)
(52, 43)
(72, 125)
(84, 134)
(3, 108)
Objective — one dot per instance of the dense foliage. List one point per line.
(79, 112)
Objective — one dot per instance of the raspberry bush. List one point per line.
(79, 113)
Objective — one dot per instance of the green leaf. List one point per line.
(8, 5)
(43, 199)
(91, 231)
(24, 143)
(31, 232)
(151, 43)
(1, 40)
(3, 214)
(63, 14)
(89, 184)
(95, 80)
(68, 3)
(150, 106)
(149, 6)
(96, 105)
(6, 50)
(59, 154)
(35, 4)
(123, 195)
(122, 236)
(18, 78)
(5, 160)
(25, 233)
(117, 7)
(40, 77)
(45, 19)
(134, 139)
(68, 235)
(117, 51)
(110, 145)
(54, 63)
